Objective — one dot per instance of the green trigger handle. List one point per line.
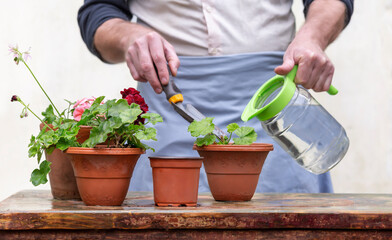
(331, 91)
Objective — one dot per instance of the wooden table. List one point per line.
(35, 215)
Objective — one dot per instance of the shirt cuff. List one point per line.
(349, 8)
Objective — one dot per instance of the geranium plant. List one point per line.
(204, 128)
(117, 123)
(56, 125)
(121, 123)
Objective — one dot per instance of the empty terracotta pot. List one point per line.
(61, 176)
(233, 170)
(103, 174)
(176, 180)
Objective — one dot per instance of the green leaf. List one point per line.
(97, 102)
(115, 122)
(118, 107)
(39, 176)
(134, 105)
(232, 127)
(246, 136)
(56, 124)
(122, 110)
(98, 135)
(33, 150)
(95, 110)
(130, 115)
(147, 134)
(134, 128)
(146, 147)
(67, 125)
(153, 118)
(32, 141)
(203, 127)
(244, 131)
(49, 115)
(39, 155)
(50, 149)
(63, 144)
(107, 105)
(48, 139)
(206, 140)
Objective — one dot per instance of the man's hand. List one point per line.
(324, 22)
(146, 51)
(142, 48)
(315, 70)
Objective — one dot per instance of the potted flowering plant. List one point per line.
(103, 171)
(59, 132)
(232, 169)
(50, 140)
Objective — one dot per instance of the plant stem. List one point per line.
(125, 139)
(40, 86)
(27, 107)
(68, 109)
(229, 137)
(220, 140)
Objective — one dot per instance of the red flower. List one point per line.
(133, 96)
(129, 91)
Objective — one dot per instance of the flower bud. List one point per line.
(14, 98)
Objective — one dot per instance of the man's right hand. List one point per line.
(142, 48)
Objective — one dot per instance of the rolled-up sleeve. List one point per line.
(95, 12)
(349, 8)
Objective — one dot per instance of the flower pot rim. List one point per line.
(176, 162)
(104, 151)
(254, 147)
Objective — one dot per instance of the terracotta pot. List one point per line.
(61, 176)
(103, 174)
(176, 180)
(233, 170)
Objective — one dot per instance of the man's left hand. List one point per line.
(324, 21)
(315, 70)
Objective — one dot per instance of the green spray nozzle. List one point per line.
(263, 110)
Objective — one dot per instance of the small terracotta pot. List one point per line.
(61, 176)
(103, 174)
(233, 170)
(176, 180)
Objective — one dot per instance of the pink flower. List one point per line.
(80, 106)
(17, 55)
(14, 50)
(26, 55)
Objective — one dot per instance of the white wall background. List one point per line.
(362, 57)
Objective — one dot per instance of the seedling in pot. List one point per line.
(204, 128)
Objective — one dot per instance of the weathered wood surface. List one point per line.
(194, 234)
(36, 210)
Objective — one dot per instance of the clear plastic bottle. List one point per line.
(307, 132)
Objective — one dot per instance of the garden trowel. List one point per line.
(187, 111)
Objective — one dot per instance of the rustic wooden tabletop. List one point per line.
(37, 210)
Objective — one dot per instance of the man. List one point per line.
(226, 49)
